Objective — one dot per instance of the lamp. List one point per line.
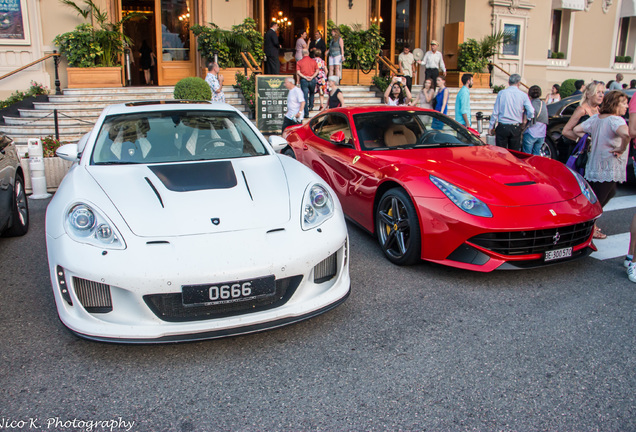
(350, 4)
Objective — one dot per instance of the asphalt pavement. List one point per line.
(415, 348)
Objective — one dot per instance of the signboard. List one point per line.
(14, 29)
(271, 102)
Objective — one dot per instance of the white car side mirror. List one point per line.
(68, 152)
(82, 143)
(278, 143)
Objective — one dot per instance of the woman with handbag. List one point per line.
(590, 102)
(607, 161)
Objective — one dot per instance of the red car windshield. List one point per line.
(389, 130)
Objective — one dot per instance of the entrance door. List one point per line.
(141, 31)
(175, 42)
(165, 29)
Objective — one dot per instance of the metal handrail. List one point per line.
(56, 55)
(507, 73)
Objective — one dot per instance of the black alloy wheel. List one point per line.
(20, 211)
(397, 227)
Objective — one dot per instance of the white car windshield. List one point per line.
(174, 136)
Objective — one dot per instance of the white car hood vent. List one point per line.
(159, 201)
(196, 176)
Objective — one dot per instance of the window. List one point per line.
(332, 123)
(174, 136)
(560, 33)
(555, 40)
(410, 129)
(512, 37)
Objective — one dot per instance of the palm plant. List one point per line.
(226, 44)
(475, 55)
(102, 45)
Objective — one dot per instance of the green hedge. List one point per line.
(567, 87)
(192, 88)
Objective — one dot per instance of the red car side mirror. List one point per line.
(337, 137)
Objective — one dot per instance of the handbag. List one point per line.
(578, 158)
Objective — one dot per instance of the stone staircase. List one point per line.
(78, 109)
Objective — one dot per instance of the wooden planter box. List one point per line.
(55, 169)
(480, 80)
(356, 77)
(96, 77)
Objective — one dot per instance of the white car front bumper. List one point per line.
(158, 268)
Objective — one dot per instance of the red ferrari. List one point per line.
(429, 188)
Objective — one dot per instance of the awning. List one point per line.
(577, 5)
(628, 9)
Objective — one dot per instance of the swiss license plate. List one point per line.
(228, 292)
(558, 254)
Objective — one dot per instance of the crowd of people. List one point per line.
(518, 122)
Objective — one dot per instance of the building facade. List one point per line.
(547, 41)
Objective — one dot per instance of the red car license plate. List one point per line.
(558, 254)
(228, 292)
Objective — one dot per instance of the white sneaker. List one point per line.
(631, 272)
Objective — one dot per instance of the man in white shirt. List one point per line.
(295, 104)
(407, 65)
(433, 62)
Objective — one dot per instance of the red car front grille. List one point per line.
(514, 243)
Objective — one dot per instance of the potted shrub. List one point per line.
(228, 45)
(94, 53)
(474, 57)
(23, 100)
(360, 50)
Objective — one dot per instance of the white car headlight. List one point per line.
(317, 206)
(85, 224)
(585, 187)
(461, 198)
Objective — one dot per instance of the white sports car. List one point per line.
(180, 222)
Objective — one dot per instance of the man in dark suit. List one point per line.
(271, 47)
(317, 44)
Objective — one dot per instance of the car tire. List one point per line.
(19, 211)
(398, 228)
(289, 152)
(548, 149)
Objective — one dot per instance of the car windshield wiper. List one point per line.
(117, 163)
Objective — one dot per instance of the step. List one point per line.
(42, 121)
(37, 131)
(77, 113)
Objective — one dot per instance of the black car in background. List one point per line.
(14, 206)
(558, 115)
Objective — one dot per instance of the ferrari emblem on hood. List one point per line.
(355, 159)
